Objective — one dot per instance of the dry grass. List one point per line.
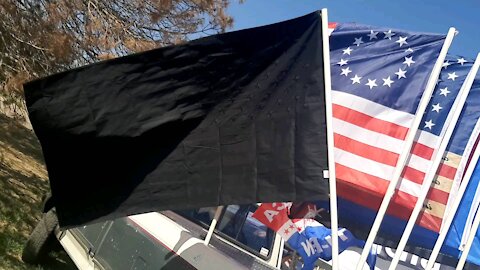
(23, 183)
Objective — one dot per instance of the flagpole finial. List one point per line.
(455, 30)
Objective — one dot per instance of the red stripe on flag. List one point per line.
(438, 196)
(361, 179)
(396, 208)
(446, 171)
(430, 222)
(348, 192)
(403, 204)
(364, 150)
(413, 175)
(332, 25)
(376, 185)
(369, 122)
(373, 200)
(422, 150)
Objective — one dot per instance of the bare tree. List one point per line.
(41, 37)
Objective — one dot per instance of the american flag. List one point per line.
(378, 78)
(434, 125)
(464, 141)
(466, 133)
(455, 70)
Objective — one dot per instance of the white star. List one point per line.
(429, 124)
(444, 91)
(408, 61)
(355, 79)
(358, 41)
(389, 34)
(342, 62)
(436, 107)
(345, 71)
(373, 35)
(387, 82)
(347, 51)
(401, 73)
(402, 41)
(446, 64)
(371, 83)
(452, 76)
(409, 50)
(461, 61)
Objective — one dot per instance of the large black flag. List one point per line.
(229, 119)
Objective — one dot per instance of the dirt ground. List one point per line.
(23, 183)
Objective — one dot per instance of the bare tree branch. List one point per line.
(41, 37)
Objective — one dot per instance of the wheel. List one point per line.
(47, 202)
(42, 239)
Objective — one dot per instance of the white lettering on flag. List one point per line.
(270, 214)
(308, 247)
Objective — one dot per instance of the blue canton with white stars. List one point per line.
(389, 67)
(471, 110)
(454, 73)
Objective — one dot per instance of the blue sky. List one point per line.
(422, 16)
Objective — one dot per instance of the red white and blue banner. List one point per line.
(308, 237)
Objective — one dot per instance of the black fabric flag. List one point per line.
(233, 118)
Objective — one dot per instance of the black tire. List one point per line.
(41, 240)
(47, 202)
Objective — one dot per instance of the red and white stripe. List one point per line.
(369, 138)
(331, 27)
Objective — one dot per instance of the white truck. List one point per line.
(207, 238)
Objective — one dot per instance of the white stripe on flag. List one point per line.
(427, 139)
(372, 109)
(367, 136)
(287, 230)
(409, 187)
(418, 163)
(364, 165)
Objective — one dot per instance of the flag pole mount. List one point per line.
(213, 225)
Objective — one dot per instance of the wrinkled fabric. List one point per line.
(233, 118)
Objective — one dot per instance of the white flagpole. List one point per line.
(213, 225)
(329, 122)
(471, 237)
(438, 154)
(432, 80)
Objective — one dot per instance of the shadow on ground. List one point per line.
(23, 183)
